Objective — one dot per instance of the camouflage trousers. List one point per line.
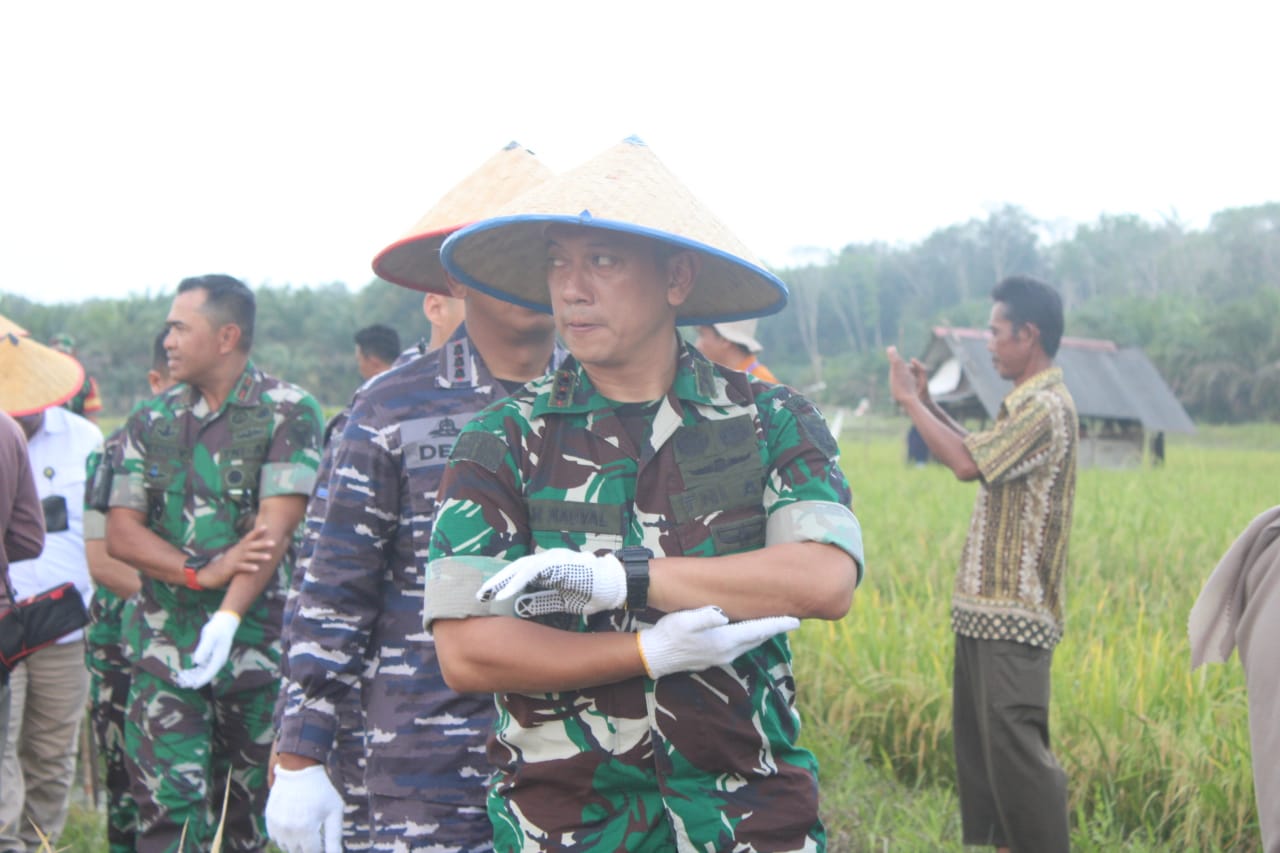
(110, 675)
(407, 825)
(346, 772)
(184, 749)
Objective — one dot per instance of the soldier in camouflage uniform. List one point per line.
(358, 620)
(666, 519)
(108, 659)
(210, 487)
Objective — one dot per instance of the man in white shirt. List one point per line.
(49, 687)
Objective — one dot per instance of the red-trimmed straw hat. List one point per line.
(625, 189)
(413, 261)
(8, 327)
(34, 377)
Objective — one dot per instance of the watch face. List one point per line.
(197, 562)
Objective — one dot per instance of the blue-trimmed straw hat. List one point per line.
(625, 189)
(413, 261)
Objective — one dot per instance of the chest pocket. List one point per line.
(721, 509)
(240, 462)
(163, 471)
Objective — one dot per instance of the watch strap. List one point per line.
(190, 567)
(635, 563)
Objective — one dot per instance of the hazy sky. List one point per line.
(288, 142)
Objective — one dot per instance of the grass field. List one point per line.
(1158, 758)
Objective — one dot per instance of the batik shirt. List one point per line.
(199, 477)
(362, 598)
(1009, 586)
(706, 760)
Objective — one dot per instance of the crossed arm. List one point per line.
(502, 653)
(237, 568)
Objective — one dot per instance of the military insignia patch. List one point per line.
(482, 448)
(814, 427)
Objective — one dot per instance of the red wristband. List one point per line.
(192, 581)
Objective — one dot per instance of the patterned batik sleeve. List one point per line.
(294, 455)
(482, 520)
(341, 595)
(1015, 445)
(807, 496)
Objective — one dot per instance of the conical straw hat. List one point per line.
(8, 327)
(34, 377)
(414, 260)
(625, 189)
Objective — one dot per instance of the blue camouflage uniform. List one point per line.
(362, 601)
(346, 764)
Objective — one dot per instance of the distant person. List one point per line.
(110, 666)
(1157, 449)
(1007, 608)
(377, 348)
(1239, 608)
(87, 402)
(22, 533)
(211, 483)
(445, 314)
(733, 345)
(917, 450)
(48, 687)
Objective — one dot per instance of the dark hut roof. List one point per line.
(1106, 381)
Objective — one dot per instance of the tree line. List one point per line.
(1203, 303)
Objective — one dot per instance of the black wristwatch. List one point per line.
(635, 562)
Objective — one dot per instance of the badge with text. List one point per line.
(429, 441)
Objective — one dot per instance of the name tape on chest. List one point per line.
(427, 442)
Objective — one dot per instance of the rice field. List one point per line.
(1158, 758)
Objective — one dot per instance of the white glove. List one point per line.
(694, 640)
(304, 811)
(572, 581)
(212, 651)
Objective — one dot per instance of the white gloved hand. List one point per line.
(212, 651)
(694, 640)
(571, 581)
(304, 811)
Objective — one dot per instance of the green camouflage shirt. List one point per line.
(705, 760)
(198, 476)
(106, 610)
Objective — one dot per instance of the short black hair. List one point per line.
(1029, 300)
(160, 358)
(227, 300)
(380, 342)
